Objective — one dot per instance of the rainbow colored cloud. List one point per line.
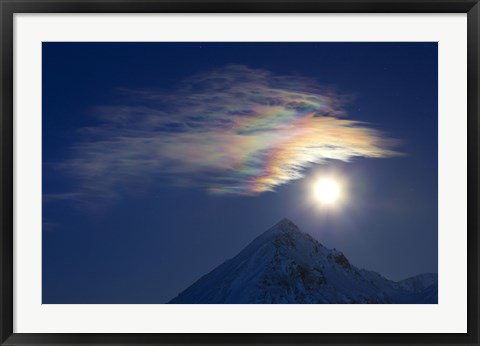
(232, 130)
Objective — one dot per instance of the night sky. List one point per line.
(162, 160)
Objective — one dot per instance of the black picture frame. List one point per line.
(10, 7)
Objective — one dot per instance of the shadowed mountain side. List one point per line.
(287, 266)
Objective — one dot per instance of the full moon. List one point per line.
(327, 191)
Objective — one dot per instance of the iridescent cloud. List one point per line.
(233, 130)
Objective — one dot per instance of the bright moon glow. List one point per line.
(327, 191)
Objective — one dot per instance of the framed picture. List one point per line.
(239, 172)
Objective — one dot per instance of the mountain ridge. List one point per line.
(286, 265)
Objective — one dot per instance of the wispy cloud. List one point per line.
(233, 130)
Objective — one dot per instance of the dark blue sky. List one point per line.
(150, 241)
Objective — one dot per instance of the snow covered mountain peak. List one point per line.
(287, 265)
(286, 225)
(281, 228)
